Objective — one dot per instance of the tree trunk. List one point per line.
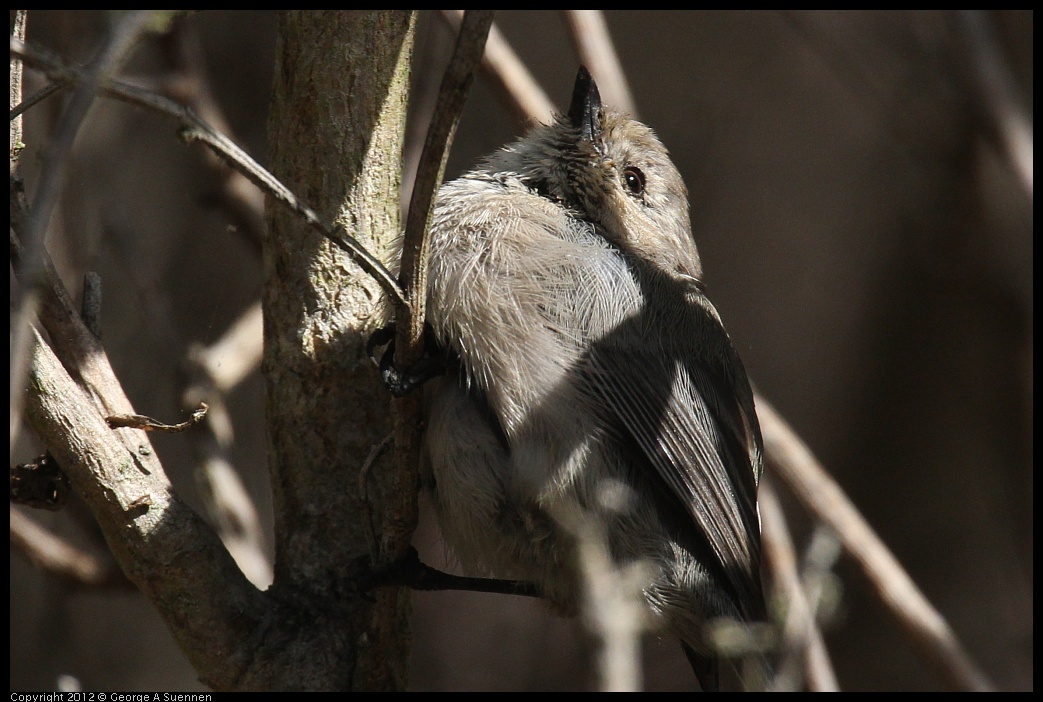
(336, 131)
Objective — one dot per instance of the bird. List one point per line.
(589, 374)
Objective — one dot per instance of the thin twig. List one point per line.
(456, 85)
(590, 36)
(801, 637)
(794, 463)
(19, 109)
(196, 129)
(510, 76)
(15, 88)
(410, 572)
(459, 76)
(367, 505)
(187, 84)
(140, 421)
(110, 57)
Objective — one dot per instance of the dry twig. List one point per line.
(510, 76)
(794, 463)
(196, 129)
(802, 640)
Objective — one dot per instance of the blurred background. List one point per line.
(866, 240)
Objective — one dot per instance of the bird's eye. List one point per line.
(634, 180)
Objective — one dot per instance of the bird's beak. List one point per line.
(585, 110)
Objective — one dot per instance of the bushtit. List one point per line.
(566, 286)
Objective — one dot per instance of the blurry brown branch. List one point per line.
(614, 608)
(510, 76)
(22, 106)
(210, 373)
(227, 362)
(802, 645)
(794, 463)
(110, 57)
(589, 33)
(867, 83)
(27, 298)
(996, 94)
(230, 507)
(187, 83)
(215, 370)
(196, 129)
(59, 558)
(994, 91)
(119, 476)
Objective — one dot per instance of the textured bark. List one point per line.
(337, 127)
(336, 130)
(163, 547)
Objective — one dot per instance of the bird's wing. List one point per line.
(682, 407)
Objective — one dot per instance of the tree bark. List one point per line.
(336, 130)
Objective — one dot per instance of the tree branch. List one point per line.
(794, 463)
(196, 129)
(164, 548)
(110, 56)
(61, 559)
(995, 95)
(399, 524)
(509, 75)
(801, 637)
